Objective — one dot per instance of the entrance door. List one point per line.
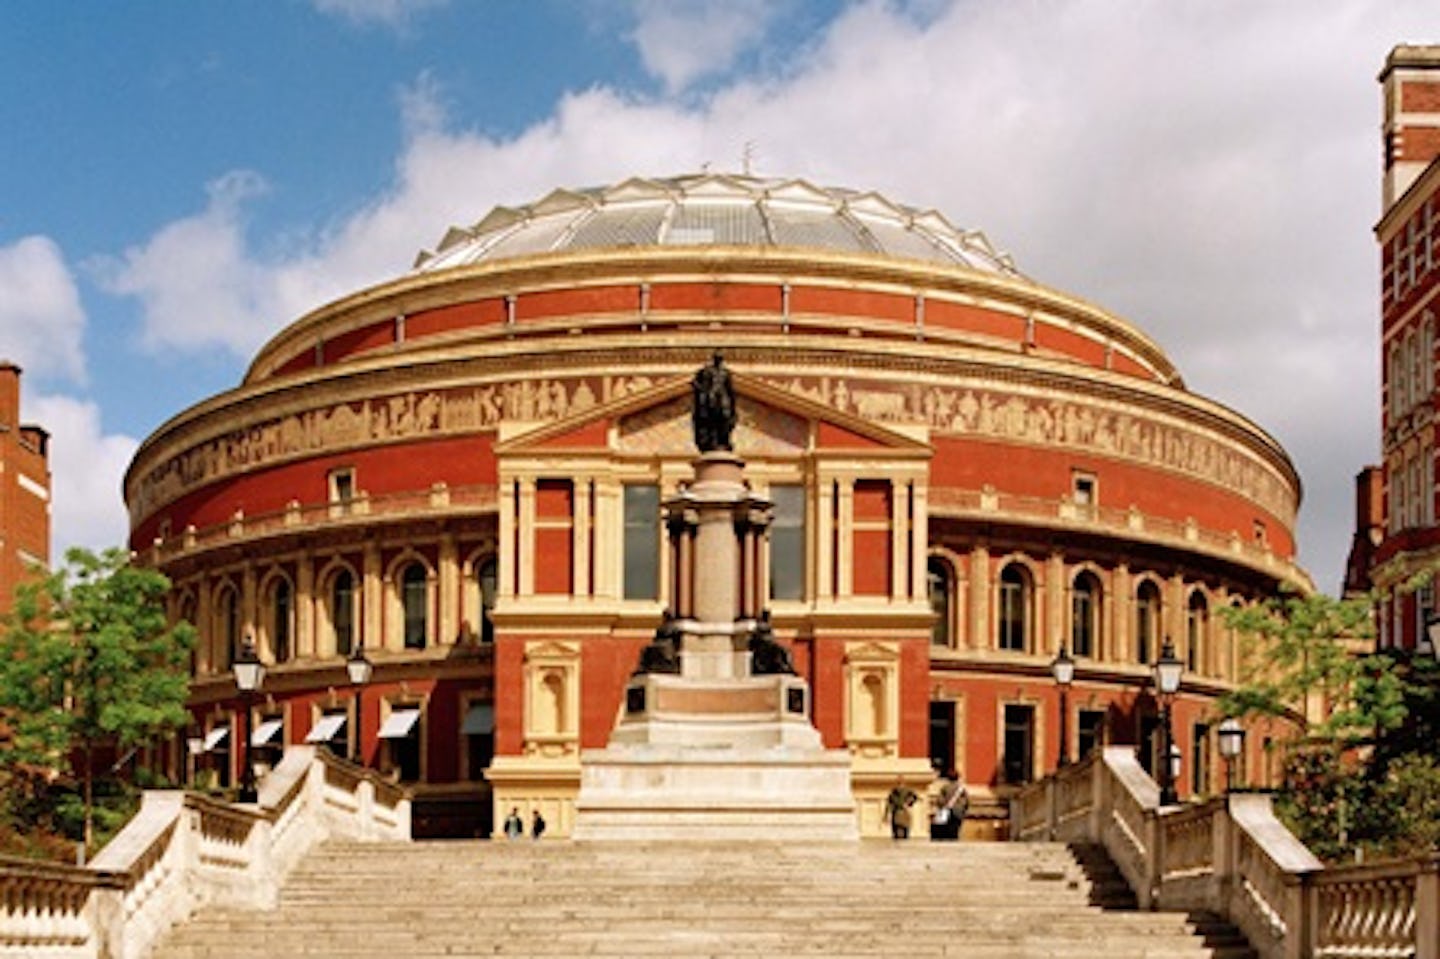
(942, 736)
(1019, 759)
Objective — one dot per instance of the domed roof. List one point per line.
(709, 209)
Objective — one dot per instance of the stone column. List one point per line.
(980, 634)
(448, 584)
(899, 528)
(919, 541)
(581, 537)
(525, 536)
(250, 614)
(845, 539)
(1055, 607)
(1123, 614)
(204, 648)
(304, 607)
(506, 546)
(826, 545)
(372, 599)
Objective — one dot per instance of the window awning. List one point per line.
(214, 738)
(266, 732)
(479, 721)
(400, 723)
(327, 728)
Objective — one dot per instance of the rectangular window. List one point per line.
(342, 485)
(1084, 488)
(1090, 725)
(642, 542)
(1019, 746)
(787, 543)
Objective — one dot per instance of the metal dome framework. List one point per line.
(713, 209)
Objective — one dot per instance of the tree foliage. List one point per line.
(1384, 798)
(87, 659)
(1297, 645)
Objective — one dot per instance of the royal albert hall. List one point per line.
(460, 472)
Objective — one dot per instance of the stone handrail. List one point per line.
(1233, 857)
(183, 850)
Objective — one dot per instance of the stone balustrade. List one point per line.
(1232, 856)
(183, 850)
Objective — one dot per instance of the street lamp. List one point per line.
(1062, 667)
(359, 669)
(249, 675)
(1167, 683)
(1232, 742)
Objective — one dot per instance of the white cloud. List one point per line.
(41, 319)
(198, 284)
(87, 467)
(1208, 171)
(681, 41)
(390, 13)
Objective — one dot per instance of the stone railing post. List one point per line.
(1154, 859)
(1103, 807)
(1222, 878)
(1427, 910)
(1300, 916)
(365, 801)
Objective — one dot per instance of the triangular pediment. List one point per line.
(771, 422)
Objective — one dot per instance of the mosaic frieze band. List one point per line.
(984, 412)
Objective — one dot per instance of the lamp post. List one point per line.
(1062, 667)
(359, 669)
(249, 675)
(1167, 683)
(1232, 740)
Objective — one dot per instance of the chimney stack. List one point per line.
(1411, 134)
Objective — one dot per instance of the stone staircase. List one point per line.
(869, 899)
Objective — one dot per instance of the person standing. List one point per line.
(514, 825)
(951, 804)
(897, 809)
(537, 826)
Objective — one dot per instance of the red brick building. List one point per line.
(461, 469)
(1398, 533)
(24, 490)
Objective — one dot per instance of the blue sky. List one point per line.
(181, 180)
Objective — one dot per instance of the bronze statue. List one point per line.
(662, 654)
(713, 415)
(767, 656)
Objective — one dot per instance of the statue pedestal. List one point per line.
(715, 759)
(716, 752)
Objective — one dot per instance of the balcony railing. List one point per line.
(438, 500)
(989, 504)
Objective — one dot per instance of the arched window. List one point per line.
(1085, 614)
(413, 600)
(937, 573)
(342, 612)
(227, 622)
(488, 574)
(280, 624)
(1014, 608)
(1147, 620)
(1197, 627)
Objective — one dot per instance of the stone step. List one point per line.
(751, 899)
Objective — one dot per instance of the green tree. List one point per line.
(87, 659)
(1299, 645)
